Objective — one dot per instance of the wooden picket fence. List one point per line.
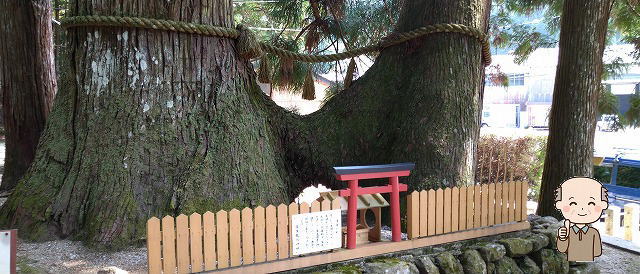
(448, 210)
(621, 222)
(259, 239)
(211, 241)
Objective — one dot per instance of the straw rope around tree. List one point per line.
(250, 48)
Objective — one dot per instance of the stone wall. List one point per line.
(526, 252)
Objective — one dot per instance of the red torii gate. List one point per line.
(355, 173)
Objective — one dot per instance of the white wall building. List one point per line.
(528, 96)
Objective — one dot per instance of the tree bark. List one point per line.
(572, 121)
(152, 123)
(27, 81)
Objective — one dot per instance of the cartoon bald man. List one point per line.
(581, 201)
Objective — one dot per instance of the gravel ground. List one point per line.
(64, 256)
(617, 261)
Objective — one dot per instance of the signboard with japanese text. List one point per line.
(317, 231)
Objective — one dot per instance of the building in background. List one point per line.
(526, 101)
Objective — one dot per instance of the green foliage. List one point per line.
(540, 145)
(615, 68)
(334, 26)
(627, 176)
(506, 33)
(632, 116)
(626, 20)
(289, 12)
(607, 102)
(527, 41)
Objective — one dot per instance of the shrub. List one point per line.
(627, 176)
(502, 159)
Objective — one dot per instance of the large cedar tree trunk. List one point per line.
(153, 122)
(27, 81)
(572, 121)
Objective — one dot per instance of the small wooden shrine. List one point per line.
(373, 202)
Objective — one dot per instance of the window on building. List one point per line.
(516, 79)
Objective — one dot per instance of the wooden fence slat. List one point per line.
(209, 239)
(462, 225)
(439, 211)
(154, 256)
(283, 229)
(168, 245)
(505, 202)
(477, 205)
(304, 208)
(247, 236)
(498, 208)
(612, 222)
(455, 195)
(259, 231)
(335, 204)
(512, 201)
(492, 205)
(523, 208)
(195, 231)
(516, 214)
(632, 222)
(631, 213)
(325, 205)
(413, 215)
(485, 205)
(423, 196)
(315, 206)
(447, 211)
(182, 243)
(235, 248)
(271, 223)
(293, 210)
(222, 235)
(431, 217)
(470, 194)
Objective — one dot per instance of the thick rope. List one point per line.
(177, 26)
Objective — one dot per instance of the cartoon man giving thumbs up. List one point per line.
(581, 201)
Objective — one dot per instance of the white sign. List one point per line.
(8, 251)
(317, 231)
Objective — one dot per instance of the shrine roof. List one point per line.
(344, 170)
